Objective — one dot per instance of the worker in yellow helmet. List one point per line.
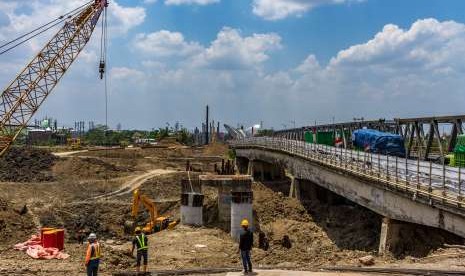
(245, 246)
(92, 255)
(141, 243)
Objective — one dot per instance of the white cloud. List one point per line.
(125, 18)
(230, 50)
(165, 43)
(190, 2)
(279, 9)
(126, 74)
(400, 72)
(427, 45)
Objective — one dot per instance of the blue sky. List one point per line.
(257, 60)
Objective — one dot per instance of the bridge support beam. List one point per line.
(389, 238)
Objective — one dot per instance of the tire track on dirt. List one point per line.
(134, 183)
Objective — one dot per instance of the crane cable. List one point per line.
(102, 65)
(42, 28)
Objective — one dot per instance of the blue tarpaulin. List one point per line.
(376, 141)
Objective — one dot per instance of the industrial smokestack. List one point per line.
(207, 124)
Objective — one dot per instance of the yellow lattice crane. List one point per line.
(23, 97)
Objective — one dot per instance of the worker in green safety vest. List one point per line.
(141, 243)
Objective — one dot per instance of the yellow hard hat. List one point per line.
(244, 222)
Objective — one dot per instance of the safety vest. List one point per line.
(96, 253)
(141, 241)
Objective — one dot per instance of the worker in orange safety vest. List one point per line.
(93, 255)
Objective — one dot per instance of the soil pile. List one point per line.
(295, 238)
(89, 167)
(27, 165)
(14, 226)
(215, 149)
(419, 241)
(106, 219)
(164, 187)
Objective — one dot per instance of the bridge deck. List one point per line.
(437, 182)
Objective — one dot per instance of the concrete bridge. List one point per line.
(399, 189)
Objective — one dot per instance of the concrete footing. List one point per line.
(191, 202)
(230, 186)
(192, 209)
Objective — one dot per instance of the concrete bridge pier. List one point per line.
(250, 168)
(295, 189)
(390, 236)
(242, 165)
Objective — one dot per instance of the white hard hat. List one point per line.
(92, 236)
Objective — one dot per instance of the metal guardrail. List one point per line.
(436, 183)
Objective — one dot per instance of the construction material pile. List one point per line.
(34, 248)
(27, 165)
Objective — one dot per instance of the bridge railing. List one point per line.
(435, 182)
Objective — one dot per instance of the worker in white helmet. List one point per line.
(93, 255)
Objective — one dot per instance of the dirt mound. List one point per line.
(164, 187)
(14, 226)
(133, 153)
(89, 167)
(26, 165)
(279, 216)
(105, 218)
(216, 149)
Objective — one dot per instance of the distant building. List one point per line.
(39, 137)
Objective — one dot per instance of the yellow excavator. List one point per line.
(156, 223)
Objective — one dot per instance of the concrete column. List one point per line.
(241, 206)
(295, 188)
(262, 172)
(250, 168)
(389, 237)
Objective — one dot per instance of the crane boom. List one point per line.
(22, 98)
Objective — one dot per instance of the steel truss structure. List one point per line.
(422, 135)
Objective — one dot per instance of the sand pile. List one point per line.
(26, 165)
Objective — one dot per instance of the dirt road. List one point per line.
(135, 183)
(68, 153)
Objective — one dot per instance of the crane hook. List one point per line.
(102, 68)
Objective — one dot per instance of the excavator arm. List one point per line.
(148, 204)
(156, 223)
(23, 97)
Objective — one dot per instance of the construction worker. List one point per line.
(245, 246)
(92, 255)
(141, 243)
